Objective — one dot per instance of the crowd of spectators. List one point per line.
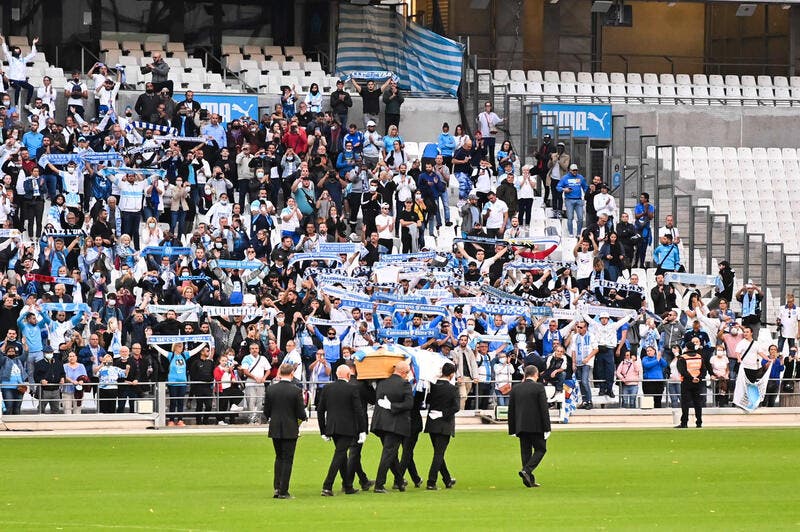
(258, 242)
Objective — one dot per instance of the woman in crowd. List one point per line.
(629, 375)
(73, 372)
(653, 366)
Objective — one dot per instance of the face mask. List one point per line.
(260, 175)
(720, 353)
(46, 287)
(280, 320)
(128, 114)
(502, 360)
(151, 225)
(107, 364)
(418, 196)
(7, 103)
(96, 276)
(290, 158)
(111, 302)
(373, 189)
(48, 356)
(218, 245)
(218, 176)
(470, 328)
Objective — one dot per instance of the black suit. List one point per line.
(366, 395)
(284, 410)
(339, 416)
(392, 425)
(410, 442)
(443, 398)
(529, 419)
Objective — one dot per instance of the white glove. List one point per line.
(362, 437)
(385, 403)
(434, 414)
(546, 435)
(326, 438)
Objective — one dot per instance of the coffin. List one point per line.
(377, 366)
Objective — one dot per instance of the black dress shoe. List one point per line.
(327, 493)
(379, 490)
(681, 426)
(399, 487)
(286, 495)
(611, 394)
(276, 494)
(367, 485)
(418, 483)
(431, 487)
(526, 478)
(450, 484)
(448, 224)
(699, 425)
(350, 491)
(588, 406)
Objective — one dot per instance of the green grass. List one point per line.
(643, 479)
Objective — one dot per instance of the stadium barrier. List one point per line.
(162, 401)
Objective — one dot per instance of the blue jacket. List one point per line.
(653, 368)
(7, 364)
(32, 333)
(670, 255)
(447, 144)
(576, 183)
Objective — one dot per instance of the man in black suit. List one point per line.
(391, 422)
(340, 418)
(529, 420)
(443, 402)
(283, 409)
(366, 394)
(409, 443)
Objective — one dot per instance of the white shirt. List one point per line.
(405, 187)
(524, 188)
(73, 181)
(68, 87)
(487, 123)
(107, 97)
(789, 318)
(131, 195)
(485, 180)
(496, 211)
(605, 204)
(218, 210)
(17, 66)
(48, 96)
(584, 261)
(385, 219)
(751, 360)
(581, 346)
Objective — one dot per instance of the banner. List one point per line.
(586, 121)
(302, 257)
(65, 307)
(403, 257)
(10, 233)
(379, 41)
(166, 251)
(413, 308)
(495, 293)
(611, 285)
(405, 333)
(612, 312)
(239, 264)
(313, 320)
(178, 309)
(138, 124)
(405, 298)
(179, 338)
(352, 282)
(233, 311)
(521, 264)
(504, 310)
(491, 338)
(694, 279)
(49, 279)
(333, 291)
(338, 247)
(748, 395)
(229, 106)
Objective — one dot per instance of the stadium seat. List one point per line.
(585, 93)
(650, 79)
(230, 49)
(232, 62)
(412, 150)
(272, 51)
(250, 50)
(500, 76)
(534, 88)
(585, 77)
(748, 81)
(732, 80)
(667, 79)
(247, 65)
(749, 94)
(616, 78)
(173, 47)
(715, 80)
(535, 76)
(568, 77)
(601, 78)
(551, 92)
(780, 81)
(193, 63)
(151, 46)
(551, 76)
(516, 87)
(131, 47)
(518, 75)
(618, 93)
(700, 79)
(270, 66)
(107, 45)
(634, 78)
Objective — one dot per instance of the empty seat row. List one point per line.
(635, 78)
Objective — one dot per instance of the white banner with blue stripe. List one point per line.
(380, 39)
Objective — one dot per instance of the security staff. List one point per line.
(529, 420)
(366, 395)
(692, 370)
(283, 409)
(340, 418)
(443, 402)
(391, 422)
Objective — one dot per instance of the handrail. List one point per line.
(208, 53)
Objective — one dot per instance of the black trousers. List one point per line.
(284, 458)
(339, 464)
(354, 462)
(107, 401)
(407, 459)
(391, 443)
(692, 394)
(438, 464)
(655, 389)
(532, 447)
(202, 400)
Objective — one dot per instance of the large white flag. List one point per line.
(748, 395)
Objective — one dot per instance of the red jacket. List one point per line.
(297, 141)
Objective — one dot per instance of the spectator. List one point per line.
(341, 102)
(370, 97)
(643, 213)
(392, 100)
(17, 70)
(487, 125)
(160, 70)
(629, 373)
(446, 144)
(573, 186)
(653, 365)
(750, 296)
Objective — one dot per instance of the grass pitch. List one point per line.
(742, 479)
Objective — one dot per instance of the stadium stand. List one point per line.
(647, 88)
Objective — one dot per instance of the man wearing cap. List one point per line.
(604, 333)
(373, 144)
(470, 214)
(692, 370)
(49, 374)
(573, 186)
